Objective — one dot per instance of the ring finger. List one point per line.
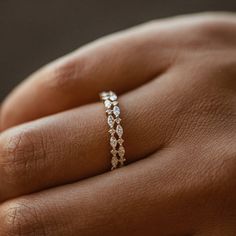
(72, 145)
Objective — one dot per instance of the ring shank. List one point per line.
(110, 101)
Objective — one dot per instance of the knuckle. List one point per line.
(21, 219)
(19, 151)
(63, 74)
(217, 25)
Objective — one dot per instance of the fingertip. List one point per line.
(5, 117)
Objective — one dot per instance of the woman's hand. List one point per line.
(177, 84)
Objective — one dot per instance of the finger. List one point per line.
(120, 62)
(0, 118)
(136, 200)
(74, 145)
(176, 191)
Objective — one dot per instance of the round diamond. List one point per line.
(122, 161)
(112, 131)
(114, 152)
(118, 120)
(114, 161)
(109, 111)
(120, 141)
(121, 151)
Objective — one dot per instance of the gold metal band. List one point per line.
(115, 129)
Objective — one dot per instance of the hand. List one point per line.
(177, 87)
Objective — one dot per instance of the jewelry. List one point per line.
(115, 129)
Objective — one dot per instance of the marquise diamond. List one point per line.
(113, 96)
(104, 94)
(119, 130)
(116, 111)
(113, 141)
(110, 121)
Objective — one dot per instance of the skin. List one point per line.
(176, 80)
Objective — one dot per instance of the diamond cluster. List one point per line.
(115, 129)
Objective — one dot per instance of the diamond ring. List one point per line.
(111, 104)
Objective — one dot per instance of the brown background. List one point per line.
(33, 33)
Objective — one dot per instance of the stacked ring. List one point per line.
(115, 129)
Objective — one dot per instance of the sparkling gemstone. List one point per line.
(120, 141)
(119, 130)
(118, 120)
(122, 161)
(114, 161)
(116, 111)
(113, 96)
(109, 111)
(113, 141)
(108, 104)
(110, 121)
(114, 152)
(112, 131)
(115, 103)
(121, 151)
(104, 95)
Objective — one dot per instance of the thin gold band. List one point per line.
(111, 104)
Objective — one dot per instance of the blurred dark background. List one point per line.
(36, 32)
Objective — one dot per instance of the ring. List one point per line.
(111, 104)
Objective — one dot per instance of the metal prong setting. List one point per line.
(115, 129)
